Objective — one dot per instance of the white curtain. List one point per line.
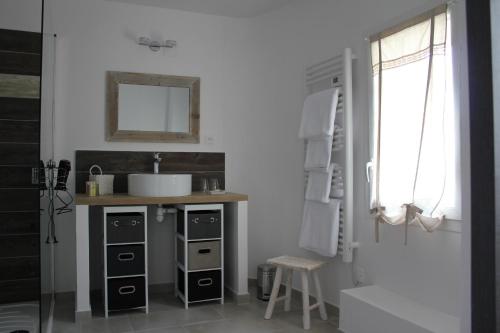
(415, 164)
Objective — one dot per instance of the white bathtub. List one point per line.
(372, 309)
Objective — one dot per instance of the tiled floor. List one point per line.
(168, 315)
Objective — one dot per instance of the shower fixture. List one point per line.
(155, 45)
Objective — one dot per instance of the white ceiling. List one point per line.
(233, 8)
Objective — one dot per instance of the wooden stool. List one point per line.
(304, 266)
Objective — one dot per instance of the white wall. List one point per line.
(23, 15)
(429, 268)
(95, 36)
(252, 73)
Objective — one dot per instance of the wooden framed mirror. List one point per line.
(152, 108)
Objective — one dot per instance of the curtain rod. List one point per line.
(412, 21)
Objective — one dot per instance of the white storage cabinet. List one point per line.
(199, 253)
(125, 258)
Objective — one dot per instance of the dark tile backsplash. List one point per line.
(121, 163)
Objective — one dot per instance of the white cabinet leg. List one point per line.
(274, 294)
(82, 306)
(242, 246)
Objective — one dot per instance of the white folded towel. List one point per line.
(318, 114)
(320, 227)
(318, 153)
(319, 184)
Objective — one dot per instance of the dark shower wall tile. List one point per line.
(20, 41)
(11, 176)
(19, 154)
(19, 131)
(19, 200)
(19, 108)
(19, 246)
(19, 268)
(19, 63)
(19, 290)
(122, 163)
(19, 223)
(19, 86)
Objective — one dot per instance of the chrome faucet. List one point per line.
(156, 165)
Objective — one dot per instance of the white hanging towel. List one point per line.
(318, 114)
(318, 153)
(320, 227)
(319, 184)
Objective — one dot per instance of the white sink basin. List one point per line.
(159, 185)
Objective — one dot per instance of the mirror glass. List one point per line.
(153, 108)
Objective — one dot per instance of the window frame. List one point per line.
(401, 23)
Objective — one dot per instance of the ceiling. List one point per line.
(233, 8)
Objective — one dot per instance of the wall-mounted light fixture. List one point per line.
(155, 45)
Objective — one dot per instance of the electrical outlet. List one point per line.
(360, 275)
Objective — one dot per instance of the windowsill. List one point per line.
(454, 226)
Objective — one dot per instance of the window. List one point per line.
(416, 176)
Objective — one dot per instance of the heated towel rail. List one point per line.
(337, 72)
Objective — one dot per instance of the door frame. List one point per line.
(482, 237)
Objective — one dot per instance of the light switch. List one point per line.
(209, 140)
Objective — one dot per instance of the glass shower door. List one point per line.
(48, 214)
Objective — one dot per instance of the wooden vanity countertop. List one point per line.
(121, 199)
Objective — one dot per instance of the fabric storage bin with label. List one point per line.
(126, 293)
(203, 224)
(125, 260)
(125, 228)
(201, 255)
(204, 255)
(204, 285)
